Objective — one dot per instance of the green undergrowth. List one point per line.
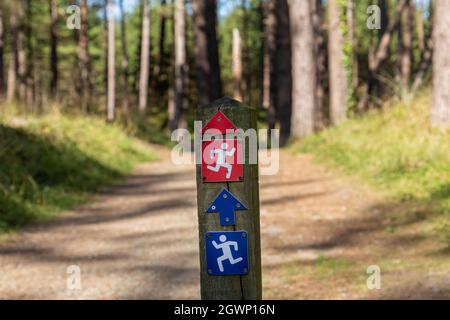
(54, 162)
(394, 150)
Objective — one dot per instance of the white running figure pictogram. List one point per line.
(226, 249)
(222, 155)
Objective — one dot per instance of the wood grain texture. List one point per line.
(246, 287)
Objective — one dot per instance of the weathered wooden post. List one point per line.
(228, 206)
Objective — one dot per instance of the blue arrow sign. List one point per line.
(225, 204)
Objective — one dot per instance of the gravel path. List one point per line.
(138, 239)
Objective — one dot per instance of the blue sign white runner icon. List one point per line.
(225, 204)
(226, 252)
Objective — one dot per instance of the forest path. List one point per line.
(138, 239)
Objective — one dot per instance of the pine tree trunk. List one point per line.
(338, 75)
(21, 54)
(30, 79)
(320, 52)
(53, 48)
(2, 65)
(159, 65)
(440, 113)
(179, 64)
(405, 44)
(284, 67)
(206, 51)
(110, 103)
(145, 57)
(420, 26)
(270, 51)
(12, 68)
(83, 57)
(303, 69)
(351, 22)
(237, 65)
(125, 59)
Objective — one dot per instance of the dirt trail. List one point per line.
(138, 239)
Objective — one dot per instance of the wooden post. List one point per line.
(231, 287)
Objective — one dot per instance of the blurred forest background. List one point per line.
(79, 75)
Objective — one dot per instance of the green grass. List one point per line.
(52, 163)
(394, 150)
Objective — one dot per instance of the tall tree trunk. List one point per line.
(420, 26)
(53, 48)
(21, 53)
(351, 23)
(237, 65)
(246, 84)
(426, 55)
(83, 57)
(110, 102)
(2, 65)
(380, 54)
(283, 69)
(206, 51)
(125, 59)
(303, 69)
(405, 45)
(159, 65)
(338, 75)
(30, 80)
(270, 56)
(180, 63)
(145, 57)
(320, 52)
(13, 61)
(440, 112)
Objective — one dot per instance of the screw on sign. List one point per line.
(230, 260)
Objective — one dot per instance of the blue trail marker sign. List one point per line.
(230, 260)
(226, 252)
(225, 204)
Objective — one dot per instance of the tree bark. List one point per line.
(283, 69)
(145, 57)
(125, 60)
(420, 26)
(426, 55)
(180, 63)
(406, 26)
(270, 84)
(53, 48)
(351, 22)
(206, 51)
(380, 54)
(440, 112)
(159, 65)
(21, 54)
(303, 69)
(320, 51)
(337, 72)
(12, 68)
(110, 102)
(2, 65)
(83, 57)
(237, 65)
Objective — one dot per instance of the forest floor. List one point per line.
(320, 232)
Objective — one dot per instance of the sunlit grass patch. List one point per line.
(52, 163)
(395, 150)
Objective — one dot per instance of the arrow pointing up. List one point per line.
(225, 204)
